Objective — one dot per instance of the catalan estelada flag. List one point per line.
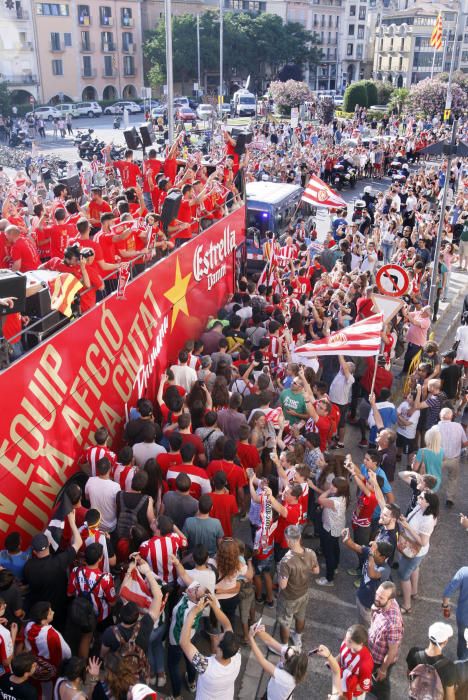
(436, 36)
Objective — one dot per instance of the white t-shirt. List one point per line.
(218, 680)
(334, 519)
(408, 431)
(422, 524)
(102, 495)
(281, 685)
(142, 451)
(462, 336)
(340, 389)
(184, 376)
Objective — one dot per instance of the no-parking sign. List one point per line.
(392, 280)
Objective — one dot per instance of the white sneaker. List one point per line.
(322, 581)
(297, 639)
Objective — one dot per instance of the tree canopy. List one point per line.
(252, 46)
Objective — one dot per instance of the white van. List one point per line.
(66, 108)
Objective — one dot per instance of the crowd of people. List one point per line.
(165, 547)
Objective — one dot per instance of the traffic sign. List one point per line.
(389, 306)
(32, 100)
(447, 113)
(392, 280)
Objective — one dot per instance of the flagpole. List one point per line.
(433, 63)
(375, 369)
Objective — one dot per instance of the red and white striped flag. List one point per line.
(436, 36)
(125, 271)
(267, 275)
(320, 194)
(362, 339)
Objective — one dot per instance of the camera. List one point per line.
(86, 253)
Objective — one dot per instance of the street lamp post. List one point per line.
(198, 56)
(169, 73)
(221, 31)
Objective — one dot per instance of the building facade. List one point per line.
(403, 55)
(89, 50)
(18, 63)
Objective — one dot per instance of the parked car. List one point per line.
(205, 111)
(158, 112)
(185, 114)
(89, 109)
(46, 112)
(67, 108)
(338, 100)
(118, 107)
(181, 101)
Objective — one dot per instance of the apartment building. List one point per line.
(403, 55)
(89, 50)
(18, 64)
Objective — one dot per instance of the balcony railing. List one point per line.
(88, 73)
(20, 79)
(106, 21)
(108, 47)
(57, 48)
(109, 74)
(127, 22)
(22, 14)
(87, 47)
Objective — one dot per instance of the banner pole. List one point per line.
(375, 368)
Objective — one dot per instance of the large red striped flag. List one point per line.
(361, 339)
(436, 36)
(320, 194)
(63, 290)
(267, 275)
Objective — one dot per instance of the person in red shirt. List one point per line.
(185, 431)
(5, 246)
(383, 376)
(322, 420)
(88, 296)
(170, 163)
(249, 456)
(356, 663)
(127, 245)
(23, 251)
(151, 169)
(96, 207)
(289, 514)
(365, 305)
(84, 241)
(224, 503)
(58, 234)
(73, 213)
(74, 263)
(200, 483)
(235, 475)
(128, 170)
(166, 460)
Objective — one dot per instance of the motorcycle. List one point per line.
(117, 121)
(343, 175)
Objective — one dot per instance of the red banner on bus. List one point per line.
(93, 370)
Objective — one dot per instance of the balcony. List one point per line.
(127, 22)
(129, 48)
(107, 48)
(106, 21)
(22, 14)
(109, 75)
(20, 79)
(87, 47)
(129, 72)
(25, 46)
(57, 48)
(88, 74)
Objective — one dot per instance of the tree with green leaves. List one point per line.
(398, 99)
(253, 45)
(355, 94)
(5, 99)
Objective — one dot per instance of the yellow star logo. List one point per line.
(176, 294)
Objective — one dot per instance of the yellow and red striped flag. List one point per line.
(436, 36)
(63, 290)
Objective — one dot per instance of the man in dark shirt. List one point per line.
(450, 375)
(133, 432)
(211, 337)
(16, 685)
(47, 574)
(439, 634)
(179, 504)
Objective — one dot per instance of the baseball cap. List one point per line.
(440, 632)
(39, 542)
(450, 353)
(141, 691)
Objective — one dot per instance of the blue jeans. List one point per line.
(148, 201)
(174, 655)
(387, 249)
(156, 650)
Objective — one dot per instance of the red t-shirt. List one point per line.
(364, 510)
(166, 460)
(108, 248)
(224, 507)
(24, 249)
(95, 209)
(249, 456)
(185, 215)
(293, 517)
(193, 440)
(325, 426)
(364, 308)
(12, 326)
(235, 475)
(59, 235)
(57, 265)
(88, 298)
(170, 168)
(151, 168)
(128, 172)
(94, 245)
(356, 671)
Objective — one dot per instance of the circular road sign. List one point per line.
(392, 280)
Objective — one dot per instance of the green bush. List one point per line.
(375, 114)
(355, 94)
(371, 90)
(384, 90)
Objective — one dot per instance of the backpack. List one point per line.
(424, 680)
(81, 613)
(134, 653)
(128, 517)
